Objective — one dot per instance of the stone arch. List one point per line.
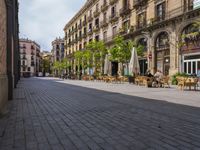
(162, 52)
(182, 26)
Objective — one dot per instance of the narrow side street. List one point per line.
(53, 115)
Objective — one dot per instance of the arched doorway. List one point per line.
(162, 53)
(142, 45)
(190, 50)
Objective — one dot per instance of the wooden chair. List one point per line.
(191, 82)
(181, 82)
(165, 81)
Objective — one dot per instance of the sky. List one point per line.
(44, 20)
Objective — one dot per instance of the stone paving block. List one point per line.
(49, 115)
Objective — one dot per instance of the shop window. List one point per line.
(185, 67)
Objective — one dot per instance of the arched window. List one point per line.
(143, 42)
(191, 33)
(162, 41)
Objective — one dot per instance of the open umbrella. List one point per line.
(134, 67)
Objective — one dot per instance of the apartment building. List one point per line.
(58, 52)
(30, 58)
(159, 25)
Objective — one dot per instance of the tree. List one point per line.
(78, 56)
(86, 60)
(57, 66)
(99, 51)
(121, 51)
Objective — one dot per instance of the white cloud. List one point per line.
(44, 20)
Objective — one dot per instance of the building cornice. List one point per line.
(87, 5)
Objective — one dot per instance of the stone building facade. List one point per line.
(9, 51)
(58, 51)
(158, 25)
(30, 58)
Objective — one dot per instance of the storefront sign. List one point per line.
(196, 4)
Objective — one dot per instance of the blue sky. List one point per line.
(44, 20)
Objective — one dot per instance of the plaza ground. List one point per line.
(49, 113)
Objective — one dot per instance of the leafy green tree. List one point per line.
(99, 51)
(86, 60)
(57, 66)
(78, 56)
(121, 51)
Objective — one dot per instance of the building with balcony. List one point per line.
(158, 25)
(30, 58)
(58, 50)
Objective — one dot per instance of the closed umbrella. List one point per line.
(106, 65)
(134, 67)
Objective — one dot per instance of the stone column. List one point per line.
(3, 58)
(173, 53)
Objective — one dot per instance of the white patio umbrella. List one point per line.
(134, 66)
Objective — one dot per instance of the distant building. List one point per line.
(30, 58)
(46, 63)
(58, 51)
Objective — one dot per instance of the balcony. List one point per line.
(125, 30)
(113, 2)
(84, 22)
(24, 52)
(96, 13)
(174, 14)
(90, 32)
(90, 18)
(79, 26)
(138, 3)
(114, 17)
(76, 29)
(104, 23)
(104, 7)
(79, 38)
(84, 35)
(125, 10)
(96, 29)
(24, 58)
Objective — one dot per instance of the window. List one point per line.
(113, 11)
(23, 63)
(105, 35)
(126, 25)
(80, 46)
(104, 17)
(162, 41)
(29, 69)
(97, 38)
(97, 23)
(97, 7)
(160, 11)
(114, 31)
(24, 69)
(141, 20)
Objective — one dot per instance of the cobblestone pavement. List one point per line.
(173, 95)
(51, 115)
